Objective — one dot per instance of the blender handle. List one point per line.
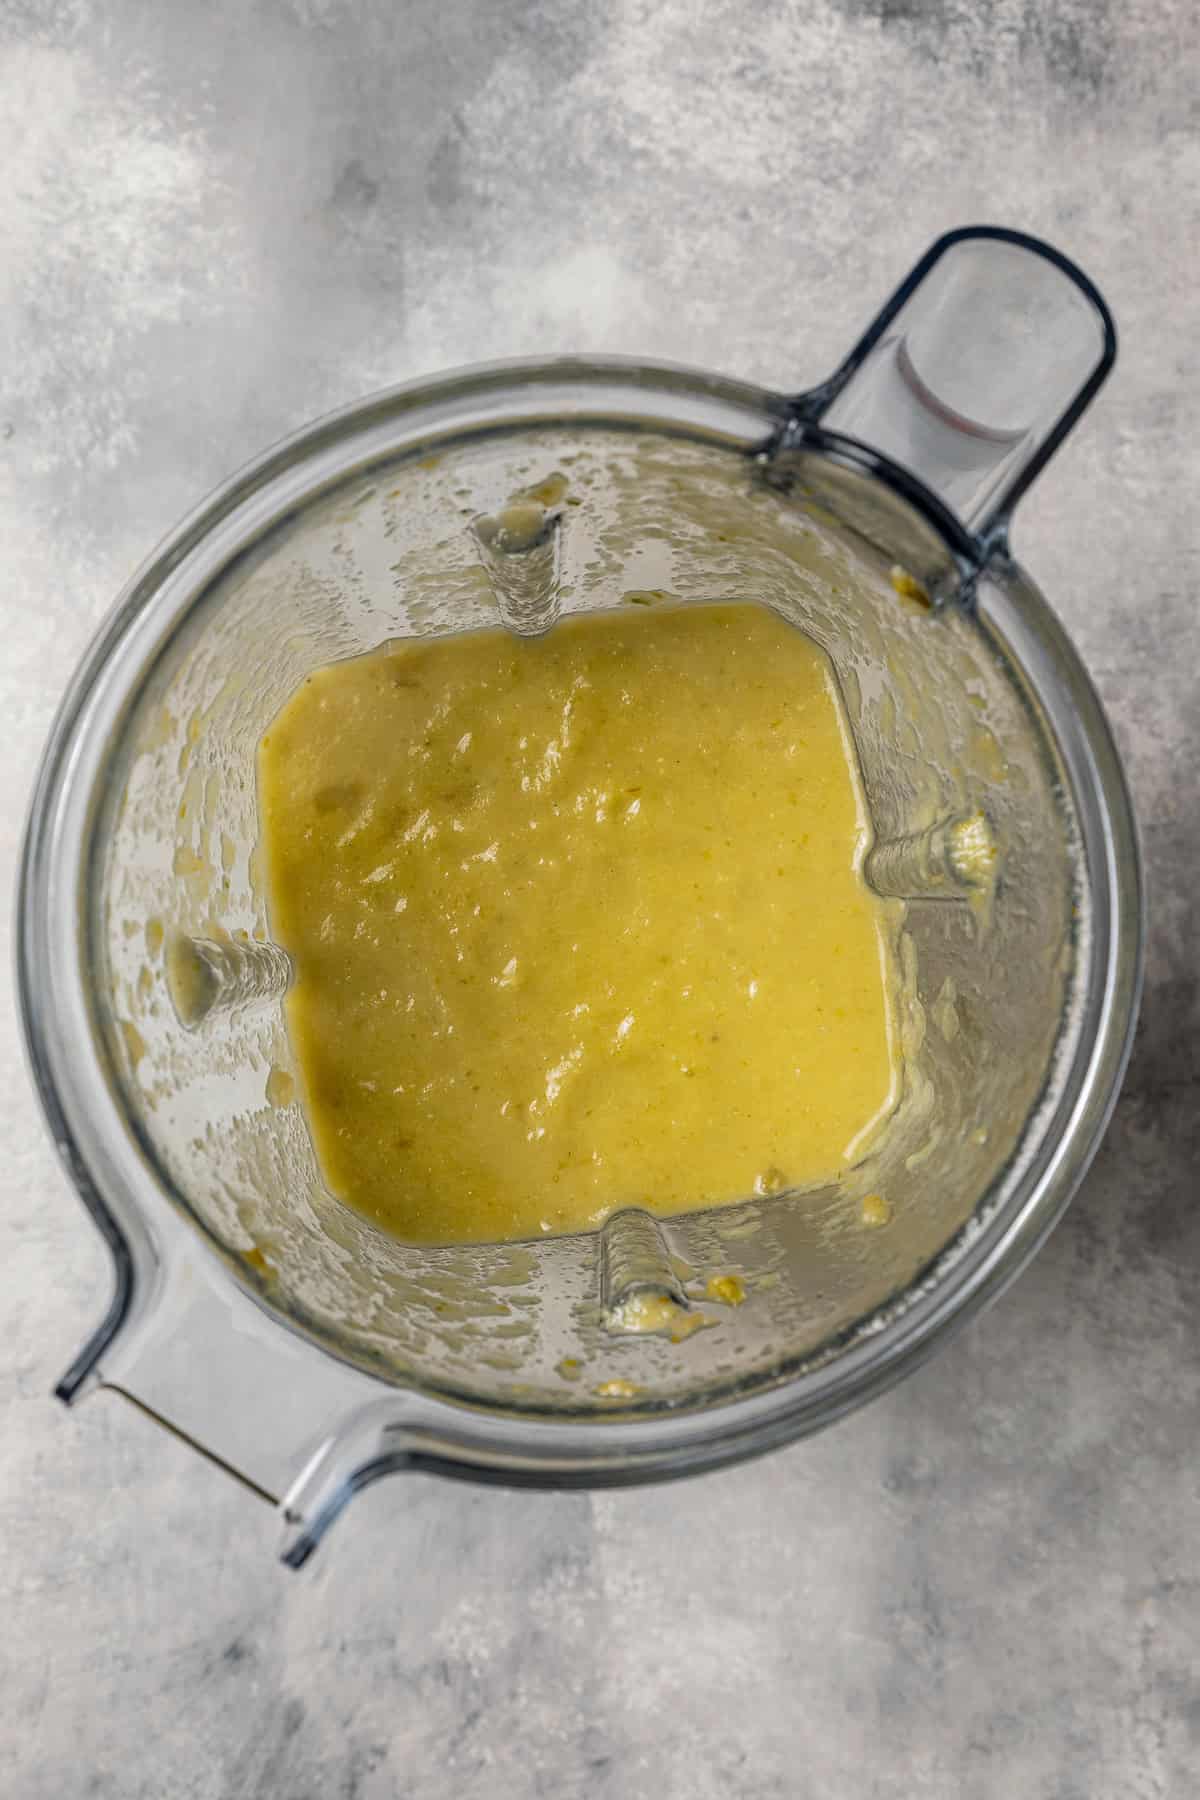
(971, 375)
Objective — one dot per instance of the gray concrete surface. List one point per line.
(216, 221)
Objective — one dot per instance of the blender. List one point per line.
(285, 1335)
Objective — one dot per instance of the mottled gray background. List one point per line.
(217, 220)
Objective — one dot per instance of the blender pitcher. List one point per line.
(284, 1334)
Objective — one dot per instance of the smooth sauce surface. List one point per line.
(577, 921)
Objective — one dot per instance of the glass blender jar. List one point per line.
(286, 1336)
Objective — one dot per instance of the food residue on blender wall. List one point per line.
(875, 1210)
(578, 921)
(616, 1389)
(647, 1312)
